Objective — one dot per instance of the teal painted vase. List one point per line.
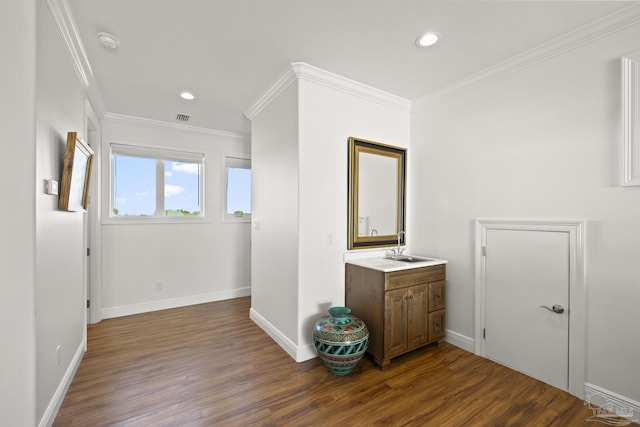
(340, 340)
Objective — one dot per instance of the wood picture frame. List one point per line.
(76, 175)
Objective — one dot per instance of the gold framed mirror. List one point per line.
(377, 193)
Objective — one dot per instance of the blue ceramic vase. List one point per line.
(340, 340)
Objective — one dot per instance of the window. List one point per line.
(155, 183)
(238, 189)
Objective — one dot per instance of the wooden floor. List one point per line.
(209, 365)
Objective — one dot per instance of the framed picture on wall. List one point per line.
(76, 174)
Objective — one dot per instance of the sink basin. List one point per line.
(409, 258)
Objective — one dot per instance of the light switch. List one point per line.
(51, 187)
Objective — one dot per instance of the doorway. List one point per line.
(530, 299)
(92, 222)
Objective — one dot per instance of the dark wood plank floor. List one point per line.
(209, 365)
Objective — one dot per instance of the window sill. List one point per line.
(154, 220)
(233, 219)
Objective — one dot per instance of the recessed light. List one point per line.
(428, 39)
(108, 40)
(187, 95)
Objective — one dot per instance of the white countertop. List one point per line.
(386, 265)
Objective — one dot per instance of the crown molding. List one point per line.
(158, 124)
(585, 34)
(302, 71)
(282, 82)
(63, 19)
(319, 76)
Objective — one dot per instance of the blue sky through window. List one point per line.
(134, 185)
(238, 190)
(182, 186)
(134, 180)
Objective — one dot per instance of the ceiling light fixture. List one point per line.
(428, 39)
(107, 40)
(187, 95)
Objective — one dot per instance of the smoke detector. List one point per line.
(108, 41)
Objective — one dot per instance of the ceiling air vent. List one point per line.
(182, 117)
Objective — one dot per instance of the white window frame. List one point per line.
(242, 161)
(160, 155)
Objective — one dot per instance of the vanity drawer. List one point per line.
(413, 276)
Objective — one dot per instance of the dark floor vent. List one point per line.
(182, 117)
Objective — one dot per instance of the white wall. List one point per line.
(196, 262)
(17, 215)
(299, 147)
(538, 144)
(275, 236)
(60, 284)
(328, 117)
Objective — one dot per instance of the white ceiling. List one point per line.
(228, 52)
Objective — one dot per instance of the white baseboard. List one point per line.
(306, 352)
(145, 307)
(53, 407)
(598, 397)
(299, 354)
(459, 340)
(281, 339)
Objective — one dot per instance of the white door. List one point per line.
(526, 271)
(87, 265)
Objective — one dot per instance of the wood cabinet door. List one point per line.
(417, 318)
(437, 295)
(436, 325)
(395, 322)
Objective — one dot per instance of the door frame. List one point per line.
(577, 287)
(93, 135)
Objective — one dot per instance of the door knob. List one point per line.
(556, 308)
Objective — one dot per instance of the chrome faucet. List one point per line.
(400, 250)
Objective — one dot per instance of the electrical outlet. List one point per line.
(330, 239)
(58, 354)
(158, 286)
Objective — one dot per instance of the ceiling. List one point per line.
(229, 52)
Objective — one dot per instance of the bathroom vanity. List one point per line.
(402, 303)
